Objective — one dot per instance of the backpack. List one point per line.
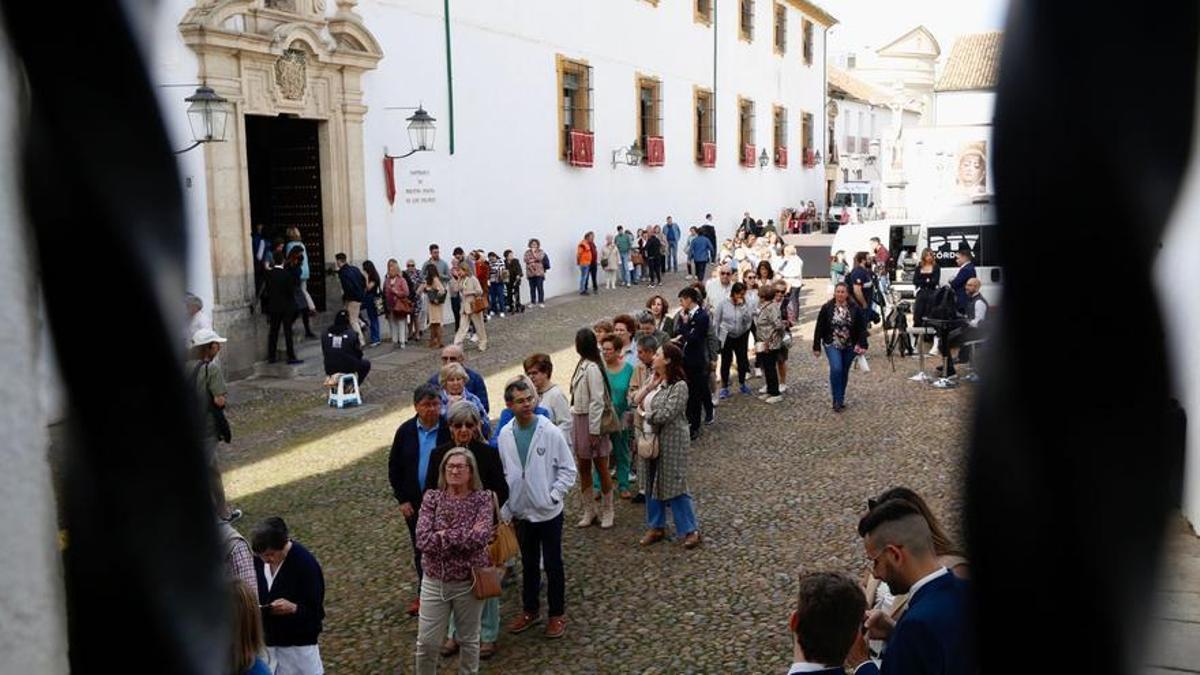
(943, 306)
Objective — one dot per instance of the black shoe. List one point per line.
(639, 498)
(694, 433)
(295, 361)
(710, 419)
(272, 360)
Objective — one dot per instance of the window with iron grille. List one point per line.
(745, 128)
(808, 44)
(781, 135)
(649, 108)
(746, 22)
(780, 29)
(575, 101)
(703, 12)
(705, 122)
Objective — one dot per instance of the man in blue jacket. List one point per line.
(409, 464)
(702, 253)
(933, 636)
(672, 232)
(966, 271)
(354, 290)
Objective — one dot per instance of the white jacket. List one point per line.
(536, 491)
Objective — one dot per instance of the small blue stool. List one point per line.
(341, 396)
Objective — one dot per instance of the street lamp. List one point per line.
(421, 132)
(632, 155)
(764, 159)
(208, 116)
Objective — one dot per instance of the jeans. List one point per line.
(769, 362)
(699, 398)
(592, 274)
(840, 361)
(278, 321)
(625, 268)
(545, 540)
(583, 278)
(512, 298)
(439, 601)
(681, 512)
(673, 256)
(489, 623)
(496, 297)
(735, 346)
(700, 265)
(372, 319)
(537, 290)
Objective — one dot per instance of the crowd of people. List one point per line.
(642, 388)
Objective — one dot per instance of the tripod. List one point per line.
(895, 332)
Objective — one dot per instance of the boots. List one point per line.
(588, 509)
(435, 335)
(606, 510)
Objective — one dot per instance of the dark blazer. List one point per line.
(824, 330)
(403, 459)
(933, 636)
(345, 359)
(491, 469)
(354, 284)
(959, 284)
(695, 338)
(301, 581)
(279, 297)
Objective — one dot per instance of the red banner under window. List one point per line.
(781, 157)
(656, 153)
(708, 155)
(748, 156)
(810, 158)
(582, 148)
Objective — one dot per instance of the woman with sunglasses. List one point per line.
(464, 422)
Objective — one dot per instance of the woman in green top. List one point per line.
(837, 268)
(619, 373)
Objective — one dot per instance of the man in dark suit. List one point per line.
(279, 299)
(409, 464)
(827, 627)
(691, 334)
(966, 271)
(934, 635)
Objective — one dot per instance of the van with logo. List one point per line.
(972, 223)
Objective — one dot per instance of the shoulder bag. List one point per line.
(485, 581)
(224, 431)
(504, 546)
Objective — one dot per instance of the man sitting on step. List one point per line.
(343, 351)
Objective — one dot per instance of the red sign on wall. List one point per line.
(781, 157)
(748, 156)
(708, 155)
(656, 153)
(582, 148)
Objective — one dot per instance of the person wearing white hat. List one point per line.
(208, 379)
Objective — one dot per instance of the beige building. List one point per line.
(907, 66)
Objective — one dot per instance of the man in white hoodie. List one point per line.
(540, 469)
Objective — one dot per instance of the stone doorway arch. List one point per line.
(273, 58)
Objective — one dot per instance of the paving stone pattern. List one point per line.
(778, 490)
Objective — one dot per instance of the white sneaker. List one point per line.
(762, 389)
(501, 315)
(474, 337)
(772, 399)
(782, 388)
(542, 305)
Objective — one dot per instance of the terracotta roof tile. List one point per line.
(974, 63)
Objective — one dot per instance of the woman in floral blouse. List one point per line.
(842, 332)
(456, 524)
(769, 328)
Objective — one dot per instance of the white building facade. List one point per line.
(539, 88)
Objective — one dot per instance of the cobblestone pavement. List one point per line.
(778, 490)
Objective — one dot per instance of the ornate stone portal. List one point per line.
(279, 57)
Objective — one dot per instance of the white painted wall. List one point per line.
(505, 182)
(954, 108)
